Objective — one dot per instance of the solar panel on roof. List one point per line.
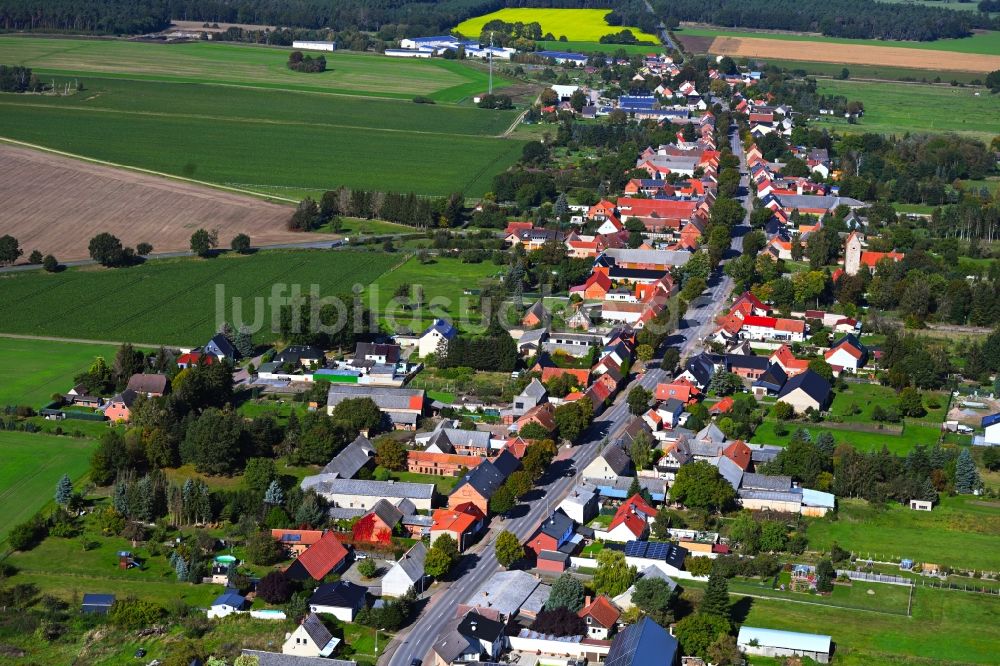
(658, 551)
(291, 537)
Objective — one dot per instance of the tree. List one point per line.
(263, 550)
(538, 457)
(716, 599)
(50, 263)
(35, 257)
(203, 242)
(822, 368)
(671, 359)
(644, 352)
(436, 563)
(108, 458)
(143, 249)
(274, 588)
(697, 632)
(390, 453)
(508, 549)
(613, 575)
(724, 383)
(911, 403)
(570, 420)
(10, 249)
(967, 478)
(213, 442)
(243, 341)
(502, 500)
(240, 243)
(725, 652)
(638, 400)
(567, 592)
(773, 536)
(131, 613)
(745, 531)
(825, 575)
(358, 414)
(258, 474)
(107, 250)
(641, 452)
(654, 597)
(699, 485)
(367, 568)
(783, 411)
(519, 483)
(64, 490)
(559, 622)
(447, 545)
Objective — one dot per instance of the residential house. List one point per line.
(119, 408)
(541, 415)
(342, 599)
(193, 359)
(149, 385)
(805, 391)
(403, 407)
(301, 356)
(855, 257)
(776, 644)
(847, 353)
(679, 389)
(772, 328)
(362, 494)
(221, 348)
(530, 342)
(368, 354)
(792, 366)
(407, 573)
(296, 541)
(643, 643)
(533, 394)
(441, 464)
(624, 600)
(320, 559)
(469, 638)
(554, 533)
(991, 429)
(227, 603)
(435, 337)
(377, 525)
(479, 485)
(461, 523)
(510, 594)
(536, 315)
(612, 463)
(601, 616)
(771, 382)
(310, 639)
(262, 658)
(581, 504)
(354, 457)
(631, 520)
(447, 437)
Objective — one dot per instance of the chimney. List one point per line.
(586, 601)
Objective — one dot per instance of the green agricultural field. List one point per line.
(582, 25)
(174, 301)
(276, 143)
(444, 282)
(595, 47)
(244, 65)
(875, 71)
(946, 629)
(987, 42)
(32, 370)
(961, 532)
(32, 465)
(895, 108)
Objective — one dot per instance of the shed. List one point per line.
(98, 604)
(921, 505)
(775, 643)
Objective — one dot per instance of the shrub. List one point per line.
(275, 588)
(28, 534)
(131, 613)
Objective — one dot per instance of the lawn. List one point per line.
(899, 443)
(443, 281)
(987, 42)
(33, 464)
(947, 628)
(960, 532)
(896, 108)
(444, 484)
(582, 25)
(302, 143)
(178, 301)
(354, 74)
(32, 370)
(884, 598)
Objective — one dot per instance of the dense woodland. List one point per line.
(858, 19)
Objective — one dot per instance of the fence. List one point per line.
(875, 577)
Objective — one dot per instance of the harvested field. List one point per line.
(851, 54)
(57, 204)
(695, 43)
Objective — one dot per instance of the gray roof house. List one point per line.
(358, 494)
(278, 659)
(510, 593)
(403, 406)
(310, 639)
(351, 459)
(612, 463)
(406, 573)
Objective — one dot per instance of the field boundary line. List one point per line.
(116, 165)
(83, 341)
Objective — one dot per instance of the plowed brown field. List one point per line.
(853, 54)
(56, 204)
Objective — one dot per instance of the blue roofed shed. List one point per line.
(97, 603)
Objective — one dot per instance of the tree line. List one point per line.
(306, 63)
(408, 209)
(855, 19)
(17, 79)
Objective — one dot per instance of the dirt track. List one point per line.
(57, 204)
(853, 54)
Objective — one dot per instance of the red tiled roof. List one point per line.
(739, 453)
(323, 556)
(297, 537)
(722, 406)
(452, 521)
(602, 611)
(195, 358)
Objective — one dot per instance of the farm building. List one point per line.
(315, 46)
(774, 643)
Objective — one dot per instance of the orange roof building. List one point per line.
(322, 558)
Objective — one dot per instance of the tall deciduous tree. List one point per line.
(567, 592)
(508, 548)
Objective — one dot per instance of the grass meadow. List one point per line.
(173, 301)
(896, 108)
(596, 47)
(581, 25)
(961, 532)
(278, 143)
(347, 73)
(443, 281)
(986, 42)
(32, 370)
(32, 465)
